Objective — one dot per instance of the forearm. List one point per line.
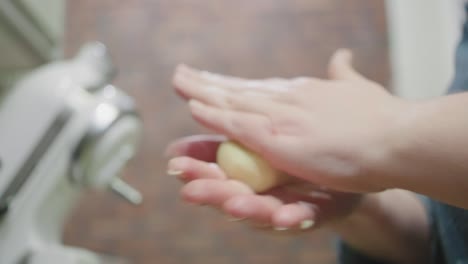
(428, 150)
(390, 226)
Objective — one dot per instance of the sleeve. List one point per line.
(348, 255)
(437, 254)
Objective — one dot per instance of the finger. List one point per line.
(294, 216)
(254, 131)
(198, 85)
(247, 100)
(213, 191)
(201, 147)
(256, 208)
(308, 191)
(245, 87)
(265, 96)
(218, 79)
(191, 88)
(234, 83)
(327, 203)
(340, 66)
(188, 169)
(266, 104)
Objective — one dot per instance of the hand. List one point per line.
(295, 206)
(328, 132)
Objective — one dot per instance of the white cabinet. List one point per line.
(31, 33)
(423, 36)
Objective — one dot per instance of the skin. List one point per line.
(390, 225)
(280, 207)
(345, 134)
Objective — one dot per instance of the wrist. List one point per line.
(385, 161)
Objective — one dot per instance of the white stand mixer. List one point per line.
(63, 128)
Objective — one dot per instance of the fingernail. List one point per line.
(213, 165)
(280, 228)
(196, 105)
(306, 224)
(209, 75)
(180, 78)
(174, 172)
(346, 53)
(190, 68)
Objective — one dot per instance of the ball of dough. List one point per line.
(242, 164)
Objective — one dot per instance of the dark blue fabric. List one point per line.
(348, 255)
(449, 224)
(460, 82)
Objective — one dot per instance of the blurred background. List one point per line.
(404, 45)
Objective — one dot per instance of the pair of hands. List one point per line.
(324, 132)
(298, 205)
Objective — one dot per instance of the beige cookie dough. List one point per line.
(243, 165)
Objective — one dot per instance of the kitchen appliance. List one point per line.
(63, 129)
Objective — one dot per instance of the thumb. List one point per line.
(340, 66)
